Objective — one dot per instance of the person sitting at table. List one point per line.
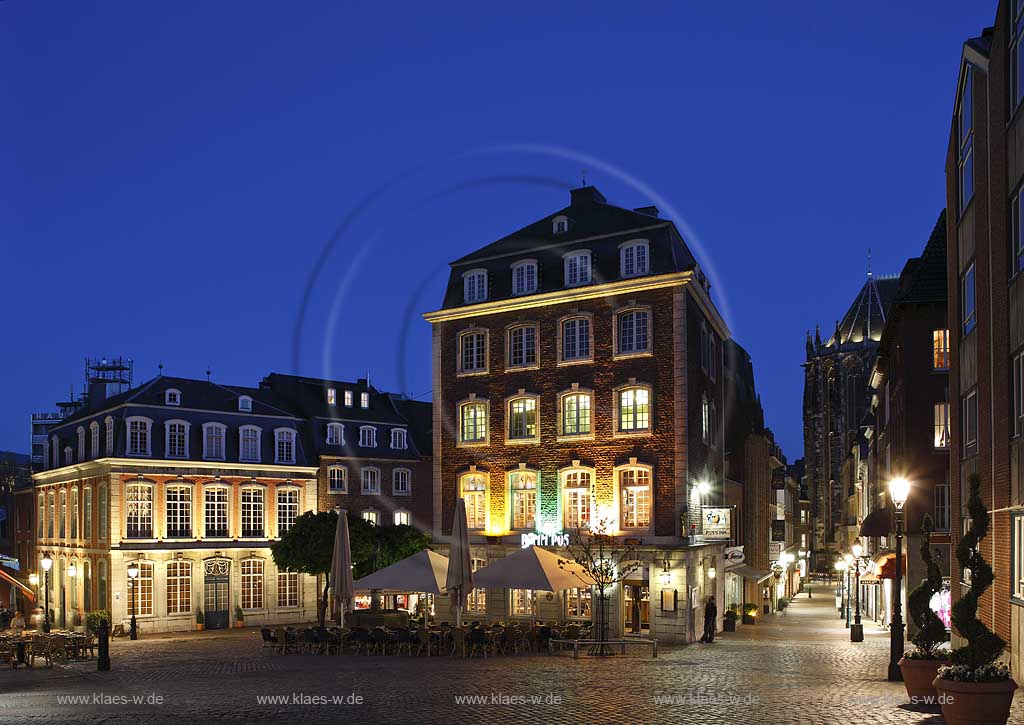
(18, 623)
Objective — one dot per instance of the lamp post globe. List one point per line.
(133, 574)
(47, 564)
(899, 492)
(857, 549)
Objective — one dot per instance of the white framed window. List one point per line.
(52, 515)
(372, 516)
(473, 351)
(942, 437)
(522, 602)
(634, 258)
(574, 340)
(1018, 394)
(633, 409)
(245, 403)
(287, 509)
(332, 396)
(213, 441)
(965, 133)
(69, 456)
(284, 445)
(364, 400)
(577, 268)
(473, 422)
(1017, 585)
(337, 479)
(524, 277)
(522, 346)
(399, 439)
(253, 507)
(401, 482)
(970, 418)
(179, 587)
(402, 518)
(144, 583)
(178, 511)
(578, 603)
(370, 476)
(252, 583)
(967, 300)
(348, 398)
(560, 224)
(523, 485)
(94, 440)
(575, 413)
(249, 444)
(41, 520)
(87, 513)
(474, 285)
(635, 497)
(215, 512)
(473, 490)
(80, 435)
(477, 599)
(335, 434)
(74, 513)
(367, 436)
(176, 439)
(287, 589)
(139, 436)
(521, 418)
(102, 517)
(577, 484)
(633, 332)
(138, 510)
(940, 349)
(108, 425)
(172, 396)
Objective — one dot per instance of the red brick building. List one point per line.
(577, 377)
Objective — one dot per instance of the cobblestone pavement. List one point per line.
(797, 667)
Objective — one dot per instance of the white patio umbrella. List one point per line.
(341, 568)
(460, 568)
(424, 571)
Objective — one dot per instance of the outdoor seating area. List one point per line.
(472, 640)
(57, 646)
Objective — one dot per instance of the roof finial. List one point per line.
(583, 177)
(160, 368)
(869, 262)
(207, 374)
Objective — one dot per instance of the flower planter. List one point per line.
(917, 678)
(975, 703)
(239, 623)
(729, 625)
(200, 627)
(748, 619)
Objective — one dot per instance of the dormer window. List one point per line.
(474, 285)
(634, 259)
(332, 396)
(364, 400)
(172, 397)
(398, 439)
(560, 225)
(245, 404)
(348, 398)
(524, 277)
(335, 434)
(577, 268)
(367, 436)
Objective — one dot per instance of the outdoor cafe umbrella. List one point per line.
(341, 568)
(460, 569)
(424, 572)
(533, 568)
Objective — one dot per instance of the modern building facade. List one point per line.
(984, 171)
(577, 378)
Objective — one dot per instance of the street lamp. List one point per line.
(848, 559)
(840, 567)
(857, 630)
(133, 574)
(899, 490)
(47, 564)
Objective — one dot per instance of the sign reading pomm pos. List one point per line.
(559, 538)
(718, 523)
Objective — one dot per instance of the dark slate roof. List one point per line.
(309, 397)
(924, 278)
(589, 215)
(420, 416)
(983, 43)
(864, 321)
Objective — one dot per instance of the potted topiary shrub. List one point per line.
(93, 619)
(975, 688)
(729, 622)
(783, 603)
(749, 612)
(200, 620)
(920, 665)
(239, 617)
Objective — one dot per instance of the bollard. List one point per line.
(103, 661)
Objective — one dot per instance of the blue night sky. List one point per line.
(174, 174)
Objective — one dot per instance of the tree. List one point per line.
(983, 645)
(607, 565)
(931, 632)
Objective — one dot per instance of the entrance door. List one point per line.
(636, 602)
(215, 595)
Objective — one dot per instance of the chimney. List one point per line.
(586, 196)
(648, 210)
(97, 394)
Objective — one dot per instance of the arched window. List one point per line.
(139, 510)
(284, 445)
(472, 352)
(249, 444)
(41, 521)
(635, 501)
(632, 332)
(337, 477)
(401, 482)
(335, 434)
(87, 513)
(576, 496)
(577, 268)
(253, 506)
(172, 396)
(94, 440)
(370, 479)
(287, 508)
(401, 518)
(213, 441)
(634, 258)
(522, 346)
(139, 436)
(367, 436)
(178, 508)
(245, 403)
(473, 421)
(104, 512)
(176, 432)
(215, 511)
(62, 523)
(52, 515)
(522, 418)
(473, 490)
(523, 485)
(80, 434)
(179, 587)
(560, 224)
(474, 285)
(524, 277)
(68, 456)
(574, 413)
(575, 340)
(633, 409)
(399, 439)
(74, 513)
(108, 424)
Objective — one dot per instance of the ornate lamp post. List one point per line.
(857, 630)
(47, 564)
(72, 573)
(848, 560)
(133, 574)
(841, 567)
(899, 490)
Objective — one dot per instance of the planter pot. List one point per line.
(240, 623)
(729, 625)
(748, 619)
(975, 703)
(917, 678)
(200, 627)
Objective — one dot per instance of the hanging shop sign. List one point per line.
(775, 550)
(735, 555)
(718, 523)
(779, 530)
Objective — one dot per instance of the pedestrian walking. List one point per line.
(710, 619)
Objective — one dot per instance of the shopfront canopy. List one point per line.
(749, 573)
(532, 568)
(877, 523)
(424, 571)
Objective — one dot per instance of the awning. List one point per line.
(749, 573)
(25, 590)
(532, 568)
(876, 523)
(424, 571)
